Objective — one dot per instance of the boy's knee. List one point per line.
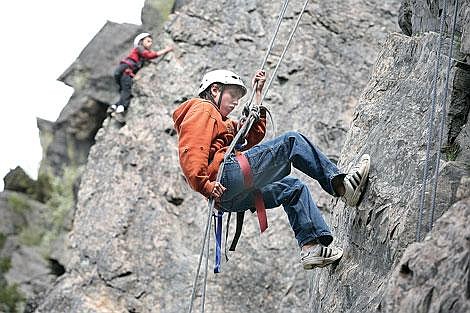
(293, 136)
(292, 133)
(293, 182)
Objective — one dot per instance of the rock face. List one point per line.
(18, 180)
(24, 272)
(390, 123)
(431, 277)
(137, 228)
(67, 141)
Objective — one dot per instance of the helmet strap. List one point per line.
(222, 88)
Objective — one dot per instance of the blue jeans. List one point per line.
(270, 165)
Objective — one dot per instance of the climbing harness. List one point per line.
(430, 123)
(251, 114)
(259, 203)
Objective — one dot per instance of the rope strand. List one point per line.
(430, 126)
(206, 237)
(443, 116)
(247, 105)
(206, 232)
(284, 51)
(281, 57)
(206, 270)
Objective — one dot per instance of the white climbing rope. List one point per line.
(430, 126)
(443, 117)
(206, 239)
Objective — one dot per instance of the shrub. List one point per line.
(9, 298)
(3, 238)
(31, 235)
(5, 265)
(451, 151)
(43, 188)
(18, 203)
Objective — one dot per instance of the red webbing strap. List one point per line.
(259, 203)
(261, 211)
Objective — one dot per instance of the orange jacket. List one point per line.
(204, 136)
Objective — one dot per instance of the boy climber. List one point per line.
(130, 65)
(205, 132)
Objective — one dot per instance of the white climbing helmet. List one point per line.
(139, 37)
(220, 76)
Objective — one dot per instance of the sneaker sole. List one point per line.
(322, 262)
(118, 117)
(360, 189)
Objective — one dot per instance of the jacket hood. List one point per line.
(181, 111)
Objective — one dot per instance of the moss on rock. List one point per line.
(10, 298)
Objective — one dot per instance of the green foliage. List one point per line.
(451, 151)
(5, 265)
(31, 235)
(18, 180)
(62, 198)
(3, 238)
(10, 296)
(18, 203)
(163, 7)
(43, 188)
(60, 203)
(40, 189)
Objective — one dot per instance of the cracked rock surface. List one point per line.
(346, 83)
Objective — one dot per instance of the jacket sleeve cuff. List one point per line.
(207, 189)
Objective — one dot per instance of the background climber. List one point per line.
(130, 65)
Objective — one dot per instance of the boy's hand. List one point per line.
(218, 191)
(260, 78)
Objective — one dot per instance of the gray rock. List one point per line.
(17, 210)
(404, 18)
(18, 180)
(155, 13)
(463, 150)
(390, 123)
(465, 46)
(30, 271)
(66, 143)
(91, 75)
(431, 275)
(426, 14)
(22, 222)
(137, 228)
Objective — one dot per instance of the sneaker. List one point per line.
(355, 181)
(111, 108)
(120, 109)
(319, 256)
